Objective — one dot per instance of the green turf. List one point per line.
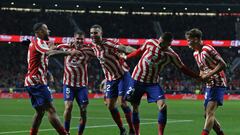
(184, 118)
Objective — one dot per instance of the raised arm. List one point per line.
(126, 49)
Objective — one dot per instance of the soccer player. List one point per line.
(211, 67)
(36, 79)
(116, 73)
(156, 54)
(75, 80)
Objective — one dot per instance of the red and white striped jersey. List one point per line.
(106, 53)
(37, 63)
(75, 67)
(153, 61)
(207, 59)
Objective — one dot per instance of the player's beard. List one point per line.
(96, 39)
(46, 38)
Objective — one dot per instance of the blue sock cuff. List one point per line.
(205, 130)
(67, 124)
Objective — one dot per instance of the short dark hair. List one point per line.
(79, 32)
(97, 26)
(37, 26)
(194, 33)
(167, 36)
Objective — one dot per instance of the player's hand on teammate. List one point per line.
(51, 45)
(205, 76)
(122, 56)
(74, 42)
(75, 52)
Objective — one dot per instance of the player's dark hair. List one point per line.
(79, 32)
(97, 26)
(167, 36)
(194, 33)
(37, 26)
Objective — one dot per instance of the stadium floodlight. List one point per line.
(99, 6)
(77, 6)
(12, 3)
(207, 9)
(120, 7)
(229, 9)
(34, 4)
(142, 7)
(55, 5)
(164, 8)
(185, 8)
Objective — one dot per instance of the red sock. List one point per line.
(61, 131)
(137, 129)
(161, 128)
(33, 131)
(205, 132)
(117, 118)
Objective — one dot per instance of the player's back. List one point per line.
(152, 62)
(107, 54)
(37, 63)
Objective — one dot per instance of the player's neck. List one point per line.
(39, 36)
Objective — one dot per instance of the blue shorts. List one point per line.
(40, 95)
(80, 93)
(153, 90)
(214, 94)
(118, 87)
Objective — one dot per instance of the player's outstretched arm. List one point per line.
(60, 52)
(132, 54)
(126, 49)
(180, 65)
(189, 72)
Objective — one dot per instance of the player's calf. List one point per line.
(162, 116)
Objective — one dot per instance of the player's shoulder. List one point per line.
(208, 48)
(86, 47)
(65, 46)
(110, 41)
(152, 42)
(40, 41)
(195, 53)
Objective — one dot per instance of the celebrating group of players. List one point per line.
(120, 85)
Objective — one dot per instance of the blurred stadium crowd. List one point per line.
(13, 57)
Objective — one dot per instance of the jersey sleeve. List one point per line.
(144, 46)
(41, 46)
(213, 53)
(112, 43)
(63, 47)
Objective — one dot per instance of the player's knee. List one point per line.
(110, 106)
(83, 110)
(135, 108)
(210, 114)
(68, 107)
(162, 107)
(40, 113)
(124, 104)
